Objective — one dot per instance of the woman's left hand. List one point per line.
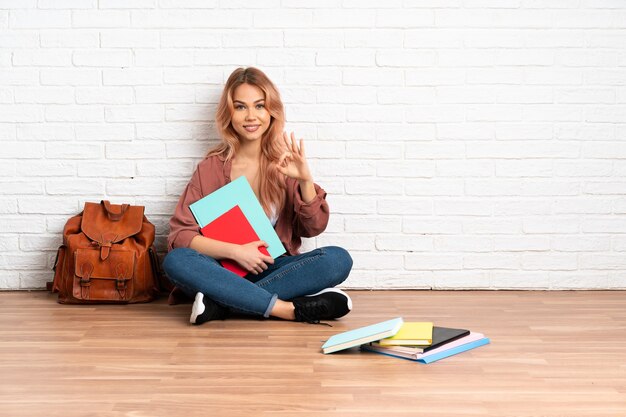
(292, 162)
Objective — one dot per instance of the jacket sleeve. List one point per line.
(310, 219)
(183, 226)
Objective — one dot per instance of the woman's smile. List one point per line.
(251, 128)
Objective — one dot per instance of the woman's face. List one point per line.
(250, 117)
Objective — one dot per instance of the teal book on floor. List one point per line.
(357, 337)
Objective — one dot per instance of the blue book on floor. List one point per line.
(454, 351)
(362, 335)
(429, 358)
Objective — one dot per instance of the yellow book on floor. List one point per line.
(412, 333)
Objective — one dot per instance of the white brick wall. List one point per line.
(463, 143)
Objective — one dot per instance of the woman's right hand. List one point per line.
(251, 259)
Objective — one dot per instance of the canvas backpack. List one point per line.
(107, 256)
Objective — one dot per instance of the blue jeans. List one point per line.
(289, 277)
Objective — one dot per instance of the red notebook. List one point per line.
(232, 227)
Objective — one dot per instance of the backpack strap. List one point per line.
(120, 282)
(54, 284)
(163, 284)
(113, 214)
(86, 268)
(105, 243)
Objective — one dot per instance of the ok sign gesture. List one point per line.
(292, 162)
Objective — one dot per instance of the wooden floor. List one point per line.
(551, 354)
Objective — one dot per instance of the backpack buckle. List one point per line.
(86, 270)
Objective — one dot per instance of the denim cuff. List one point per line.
(270, 306)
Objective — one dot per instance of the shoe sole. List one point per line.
(197, 308)
(338, 291)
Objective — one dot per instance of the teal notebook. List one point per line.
(362, 335)
(238, 193)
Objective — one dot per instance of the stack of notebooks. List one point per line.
(418, 341)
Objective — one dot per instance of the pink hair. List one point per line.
(271, 182)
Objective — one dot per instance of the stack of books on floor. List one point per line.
(417, 341)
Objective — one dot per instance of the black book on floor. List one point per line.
(441, 336)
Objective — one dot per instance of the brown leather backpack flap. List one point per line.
(99, 227)
(97, 280)
(120, 265)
